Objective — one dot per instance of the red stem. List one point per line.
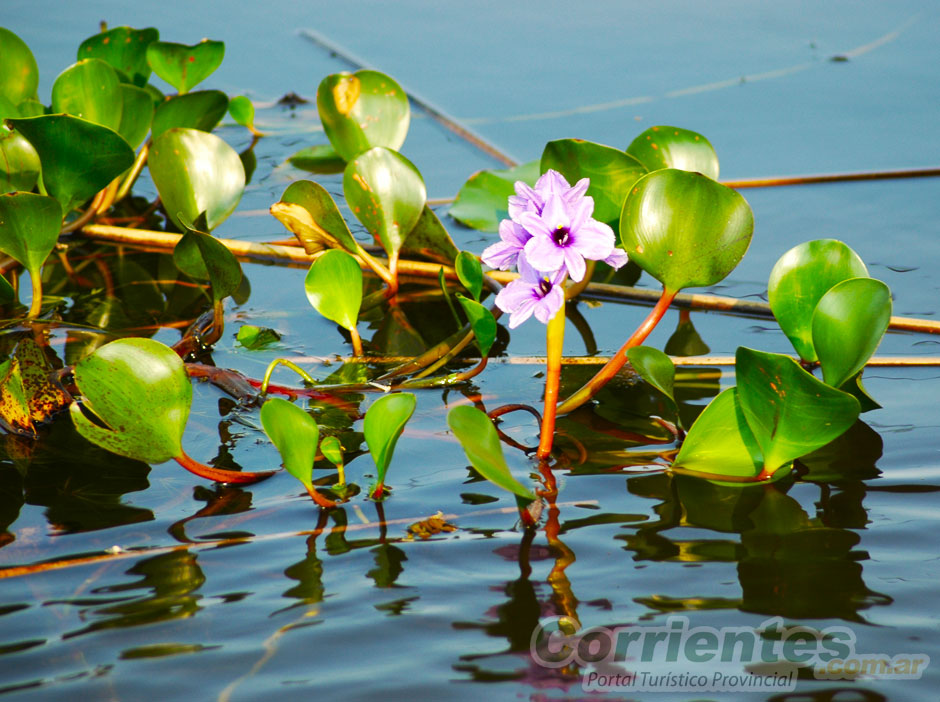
(219, 475)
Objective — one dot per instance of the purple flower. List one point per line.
(533, 292)
(565, 234)
(552, 182)
(503, 254)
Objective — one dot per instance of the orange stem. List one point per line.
(554, 342)
(219, 475)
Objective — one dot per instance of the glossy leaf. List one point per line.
(29, 228)
(385, 420)
(196, 172)
(202, 110)
(139, 390)
(203, 257)
(90, 89)
(332, 450)
(684, 229)
(19, 162)
(321, 158)
(334, 287)
(854, 387)
(78, 158)
(255, 338)
(798, 281)
(124, 49)
(470, 273)
(674, 147)
(848, 324)
(429, 239)
(386, 193)
(45, 397)
(183, 66)
(311, 214)
(136, 114)
(480, 441)
(295, 434)
(362, 110)
(720, 441)
(482, 322)
(612, 172)
(19, 74)
(655, 367)
(790, 412)
(482, 200)
(242, 111)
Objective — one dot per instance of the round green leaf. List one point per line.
(334, 287)
(29, 228)
(790, 412)
(19, 74)
(202, 110)
(798, 281)
(685, 229)
(78, 158)
(673, 147)
(848, 324)
(90, 89)
(138, 388)
(124, 49)
(362, 110)
(612, 172)
(295, 434)
(481, 202)
(19, 162)
(720, 441)
(655, 367)
(470, 273)
(311, 214)
(242, 111)
(429, 239)
(480, 441)
(196, 172)
(202, 257)
(256, 338)
(385, 420)
(183, 66)
(136, 115)
(321, 158)
(386, 193)
(482, 322)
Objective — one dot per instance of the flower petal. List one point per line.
(523, 312)
(534, 224)
(544, 254)
(617, 259)
(548, 306)
(555, 214)
(574, 262)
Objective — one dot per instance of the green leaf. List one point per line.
(720, 441)
(855, 388)
(334, 287)
(29, 228)
(136, 115)
(362, 110)
(385, 420)
(470, 273)
(295, 434)
(673, 147)
(202, 257)
(386, 193)
(848, 324)
(19, 162)
(321, 158)
(19, 74)
(138, 388)
(482, 201)
(256, 338)
(798, 281)
(482, 322)
(480, 441)
(332, 450)
(429, 239)
(310, 213)
(124, 49)
(196, 172)
(685, 229)
(242, 111)
(90, 89)
(790, 412)
(78, 158)
(655, 367)
(183, 66)
(201, 110)
(7, 293)
(612, 172)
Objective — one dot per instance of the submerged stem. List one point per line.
(554, 343)
(616, 362)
